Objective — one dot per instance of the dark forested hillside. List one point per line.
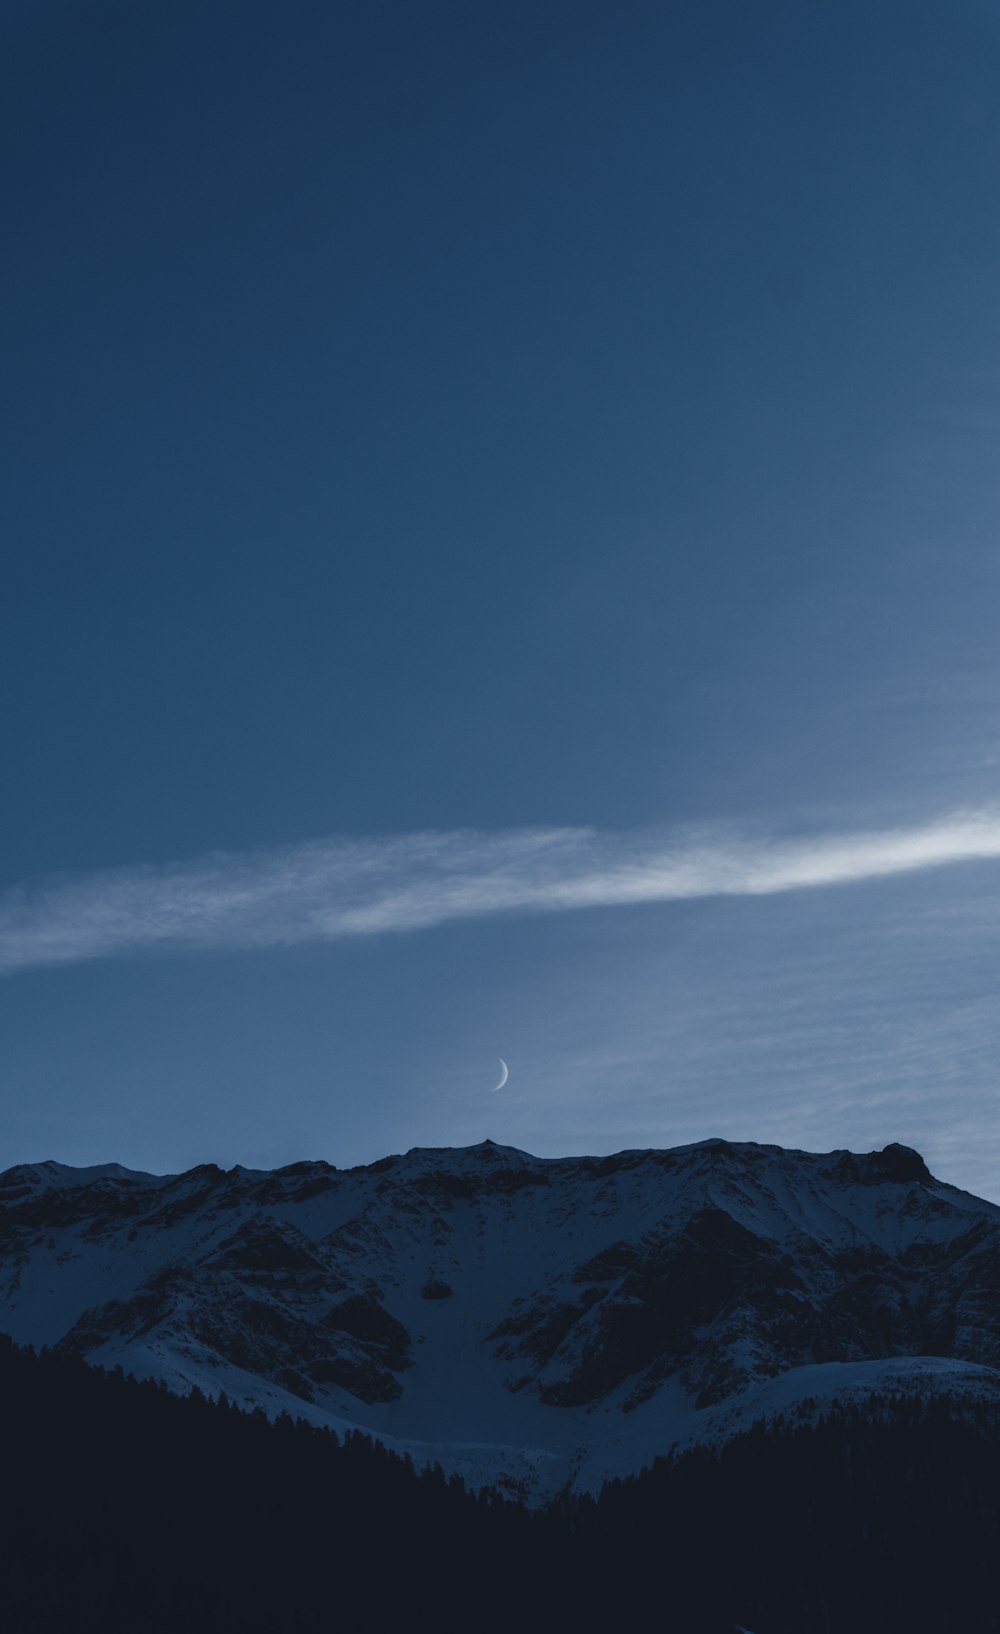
(852, 1525)
(129, 1509)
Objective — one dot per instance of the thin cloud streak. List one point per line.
(332, 889)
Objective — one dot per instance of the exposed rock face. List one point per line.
(482, 1296)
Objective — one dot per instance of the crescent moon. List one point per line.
(504, 1076)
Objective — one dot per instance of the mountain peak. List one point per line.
(903, 1163)
(538, 1319)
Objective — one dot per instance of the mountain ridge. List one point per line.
(526, 1321)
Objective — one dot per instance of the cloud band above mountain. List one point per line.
(330, 889)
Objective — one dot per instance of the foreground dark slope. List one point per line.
(128, 1510)
(523, 1320)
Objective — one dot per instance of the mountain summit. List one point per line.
(524, 1320)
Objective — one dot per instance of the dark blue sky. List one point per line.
(482, 417)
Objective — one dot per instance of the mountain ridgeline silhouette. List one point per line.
(749, 1388)
(531, 1324)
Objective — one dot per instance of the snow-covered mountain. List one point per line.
(523, 1320)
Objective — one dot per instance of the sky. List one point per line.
(499, 523)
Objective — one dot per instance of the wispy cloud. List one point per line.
(337, 888)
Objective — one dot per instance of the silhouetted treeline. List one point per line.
(131, 1511)
(883, 1520)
